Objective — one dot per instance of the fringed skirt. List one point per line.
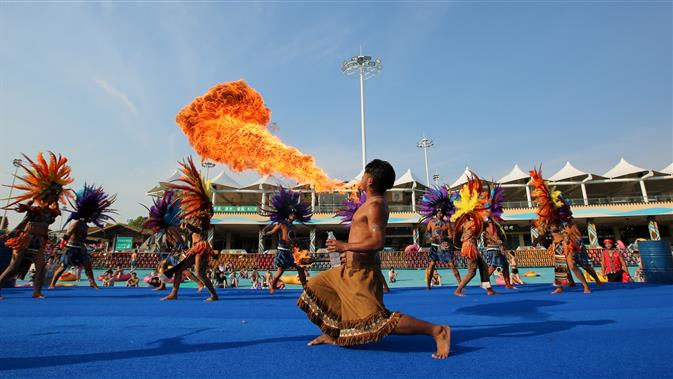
(346, 303)
(560, 270)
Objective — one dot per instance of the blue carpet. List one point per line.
(618, 331)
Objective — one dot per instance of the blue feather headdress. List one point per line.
(92, 204)
(164, 213)
(435, 200)
(284, 203)
(351, 205)
(496, 200)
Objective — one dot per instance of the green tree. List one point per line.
(137, 222)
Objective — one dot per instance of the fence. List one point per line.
(526, 257)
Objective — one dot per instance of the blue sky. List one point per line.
(492, 83)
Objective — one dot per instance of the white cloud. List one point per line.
(117, 94)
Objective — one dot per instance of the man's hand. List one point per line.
(335, 246)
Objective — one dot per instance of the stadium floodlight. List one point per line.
(17, 163)
(424, 144)
(366, 67)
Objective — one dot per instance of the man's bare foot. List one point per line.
(272, 290)
(458, 293)
(322, 340)
(443, 340)
(212, 298)
(38, 295)
(94, 286)
(170, 297)
(51, 287)
(587, 290)
(199, 289)
(557, 290)
(511, 287)
(489, 291)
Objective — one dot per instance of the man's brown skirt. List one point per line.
(347, 304)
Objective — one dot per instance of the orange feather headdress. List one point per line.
(194, 193)
(44, 181)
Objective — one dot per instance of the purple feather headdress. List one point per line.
(92, 204)
(435, 200)
(284, 203)
(497, 198)
(165, 213)
(351, 205)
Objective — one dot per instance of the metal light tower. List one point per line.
(208, 166)
(424, 144)
(17, 164)
(436, 178)
(367, 68)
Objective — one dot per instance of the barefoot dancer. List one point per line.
(347, 302)
(286, 208)
(197, 207)
(351, 205)
(91, 205)
(43, 185)
(164, 219)
(554, 215)
(435, 206)
(494, 252)
(471, 211)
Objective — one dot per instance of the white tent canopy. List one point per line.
(624, 168)
(567, 172)
(514, 175)
(355, 180)
(270, 180)
(462, 179)
(406, 178)
(668, 169)
(224, 180)
(175, 176)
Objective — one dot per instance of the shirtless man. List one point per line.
(346, 302)
(441, 251)
(75, 253)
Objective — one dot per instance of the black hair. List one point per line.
(383, 175)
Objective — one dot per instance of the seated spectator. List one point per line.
(392, 275)
(233, 279)
(220, 279)
(108, 280)
(119, 273)
(133, 280)
(436, 279)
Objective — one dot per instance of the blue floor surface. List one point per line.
(619, 331)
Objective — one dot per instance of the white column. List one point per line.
(312, 198)
(528, 198)
(413, 197)
(584, 194)
(644, 191)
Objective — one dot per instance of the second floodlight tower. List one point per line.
(366, 67)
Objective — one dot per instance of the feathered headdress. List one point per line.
(284, 203)
(43, 180)
(194, 193)
(471, 212)
(92, 204)
(165, 213)
(553, 210)
(496, 200)
(351, 205)
(436, 200)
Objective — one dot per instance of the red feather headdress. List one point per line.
(43, 180)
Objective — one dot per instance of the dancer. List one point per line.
(471, 211)
(582, 259)
(347, 302)
(92, 205)
(554, 215)
(164, 219)
(494, 252)
(43, 185)
(436, 207)
(197, 208)
(286, 208)
(351, 205)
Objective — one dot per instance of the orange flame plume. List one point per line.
(301, 257)
(228, 125)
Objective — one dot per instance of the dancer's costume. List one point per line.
(472, 209)
(91, 205)
(553, 213)
(283, 204)
(164, 219)
(197, 210)
(434, 201)
(362, 318)
(43, 188)
(493, 252)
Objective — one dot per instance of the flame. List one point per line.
(301, 257)
(228, 125)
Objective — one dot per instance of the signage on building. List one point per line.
(123, 243)
(235, 209)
